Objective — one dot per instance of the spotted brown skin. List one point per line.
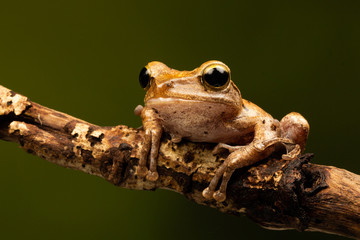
(204, 105)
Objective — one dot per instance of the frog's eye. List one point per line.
(216, 76)
(144, 78)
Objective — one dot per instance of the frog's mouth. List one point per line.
(169, 100)
(179, 107)
(175, 100)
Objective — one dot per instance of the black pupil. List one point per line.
(144, 77)
(216, 76)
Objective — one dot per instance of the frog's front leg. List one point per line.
(265, 131)
(153, 131)
(242, 157)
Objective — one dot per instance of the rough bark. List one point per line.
(275, 193)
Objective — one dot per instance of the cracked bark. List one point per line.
(275, 193)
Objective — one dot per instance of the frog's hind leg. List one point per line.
(293, 134)
(295, 127)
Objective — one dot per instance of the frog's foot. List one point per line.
(244, 156)
(175, 138)
(219, 196)
(207, 193)
(291, 155)
(225, 171)
(141, 171)
(272, 141)
(293, 149)
(152, 176)
(222, 146)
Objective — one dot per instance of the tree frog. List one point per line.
(204, 105)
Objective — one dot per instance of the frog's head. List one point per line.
(210, 83)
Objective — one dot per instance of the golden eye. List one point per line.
(216, 76)
(144, 77)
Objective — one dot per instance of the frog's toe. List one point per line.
(152, 176)
(141, 171)
(221, 146)
(259, 146)
(207, 193)
(175, 138)
(217, 149)
(219, 196)
(138, 110)
(293, 153)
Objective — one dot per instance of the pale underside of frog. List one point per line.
(204, 105)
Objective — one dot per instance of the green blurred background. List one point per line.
(84, 57)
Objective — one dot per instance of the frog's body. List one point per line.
(187, 121)
(204, 105)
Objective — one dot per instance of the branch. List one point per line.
(275, 193)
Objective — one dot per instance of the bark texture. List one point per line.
(275, 193)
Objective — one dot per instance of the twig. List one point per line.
(275, 193)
